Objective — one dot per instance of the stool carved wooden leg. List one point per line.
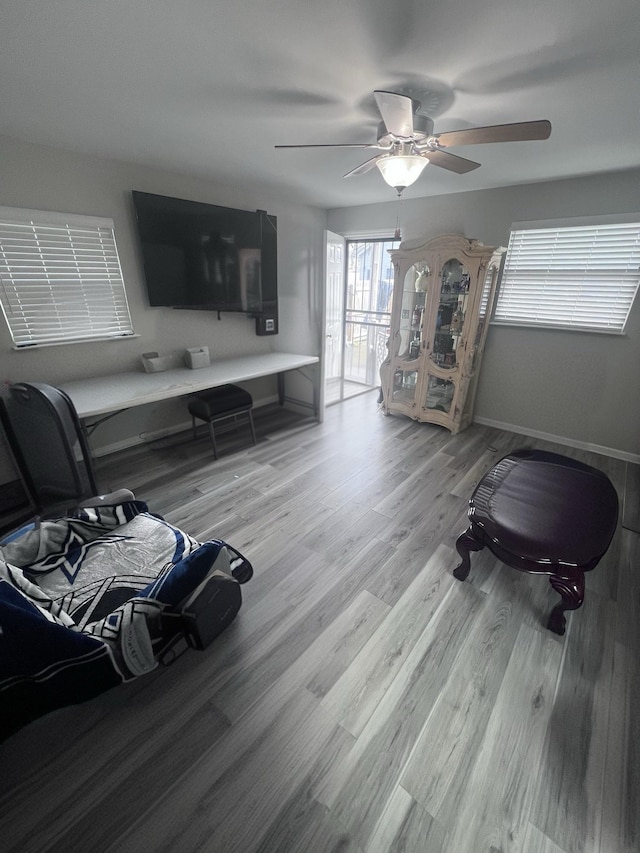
(571, 590)
(465, 543)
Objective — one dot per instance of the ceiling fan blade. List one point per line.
(396, 111)
(452, 162)
(522, 131)
(333, 145)
(363, 167)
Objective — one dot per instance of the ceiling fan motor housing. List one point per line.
(422, 130)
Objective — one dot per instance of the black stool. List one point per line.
(218, 404)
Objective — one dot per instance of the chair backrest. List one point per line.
(49, 444)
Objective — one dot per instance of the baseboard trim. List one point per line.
(560, 439)
(145, 437)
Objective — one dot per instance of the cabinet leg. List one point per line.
(571, 592)
(465, 543)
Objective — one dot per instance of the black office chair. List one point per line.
(51, 450)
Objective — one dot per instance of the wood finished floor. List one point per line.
(363, 701)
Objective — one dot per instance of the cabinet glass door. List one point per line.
(414, 296)
(452, 311)
(439, 393)
(404, 387)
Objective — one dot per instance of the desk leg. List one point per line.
(316, 401)
(315, 404)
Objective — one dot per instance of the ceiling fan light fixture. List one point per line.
(401, 170)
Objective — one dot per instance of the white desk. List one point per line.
(108, 394)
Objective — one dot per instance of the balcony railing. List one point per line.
(366, 334)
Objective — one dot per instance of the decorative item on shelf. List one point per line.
(457, 319)
(155, 363)
(414, 348)
(444, 316)
(410, 379)
(422, 279)
(443, 344)
(197, 357)
(416, 320)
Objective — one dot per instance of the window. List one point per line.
(60, 278)
(578, 274)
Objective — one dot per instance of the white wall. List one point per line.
(49, 179)
(583, 388)
(580, 387)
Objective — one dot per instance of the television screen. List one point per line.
(200, 255)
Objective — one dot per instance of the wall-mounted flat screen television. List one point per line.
(204, 256)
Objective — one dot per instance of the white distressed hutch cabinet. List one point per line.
(442, 299)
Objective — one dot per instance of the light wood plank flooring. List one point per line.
(363, 701)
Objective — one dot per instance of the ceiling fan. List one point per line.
(408, 142)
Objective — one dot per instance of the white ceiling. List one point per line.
(208, 88)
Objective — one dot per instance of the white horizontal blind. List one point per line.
(486, 290)
(60, 278)
(576, 277)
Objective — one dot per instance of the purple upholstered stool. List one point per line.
(546, 514)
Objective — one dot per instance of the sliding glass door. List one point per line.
(367, 316)
(359, 289)
(334, 317)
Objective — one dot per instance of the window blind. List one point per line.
(486, 290)
(577, 277)
(60, 278)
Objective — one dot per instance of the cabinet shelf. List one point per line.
(442, 332)
(404, 395)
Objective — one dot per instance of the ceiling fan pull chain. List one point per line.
(397, 234)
